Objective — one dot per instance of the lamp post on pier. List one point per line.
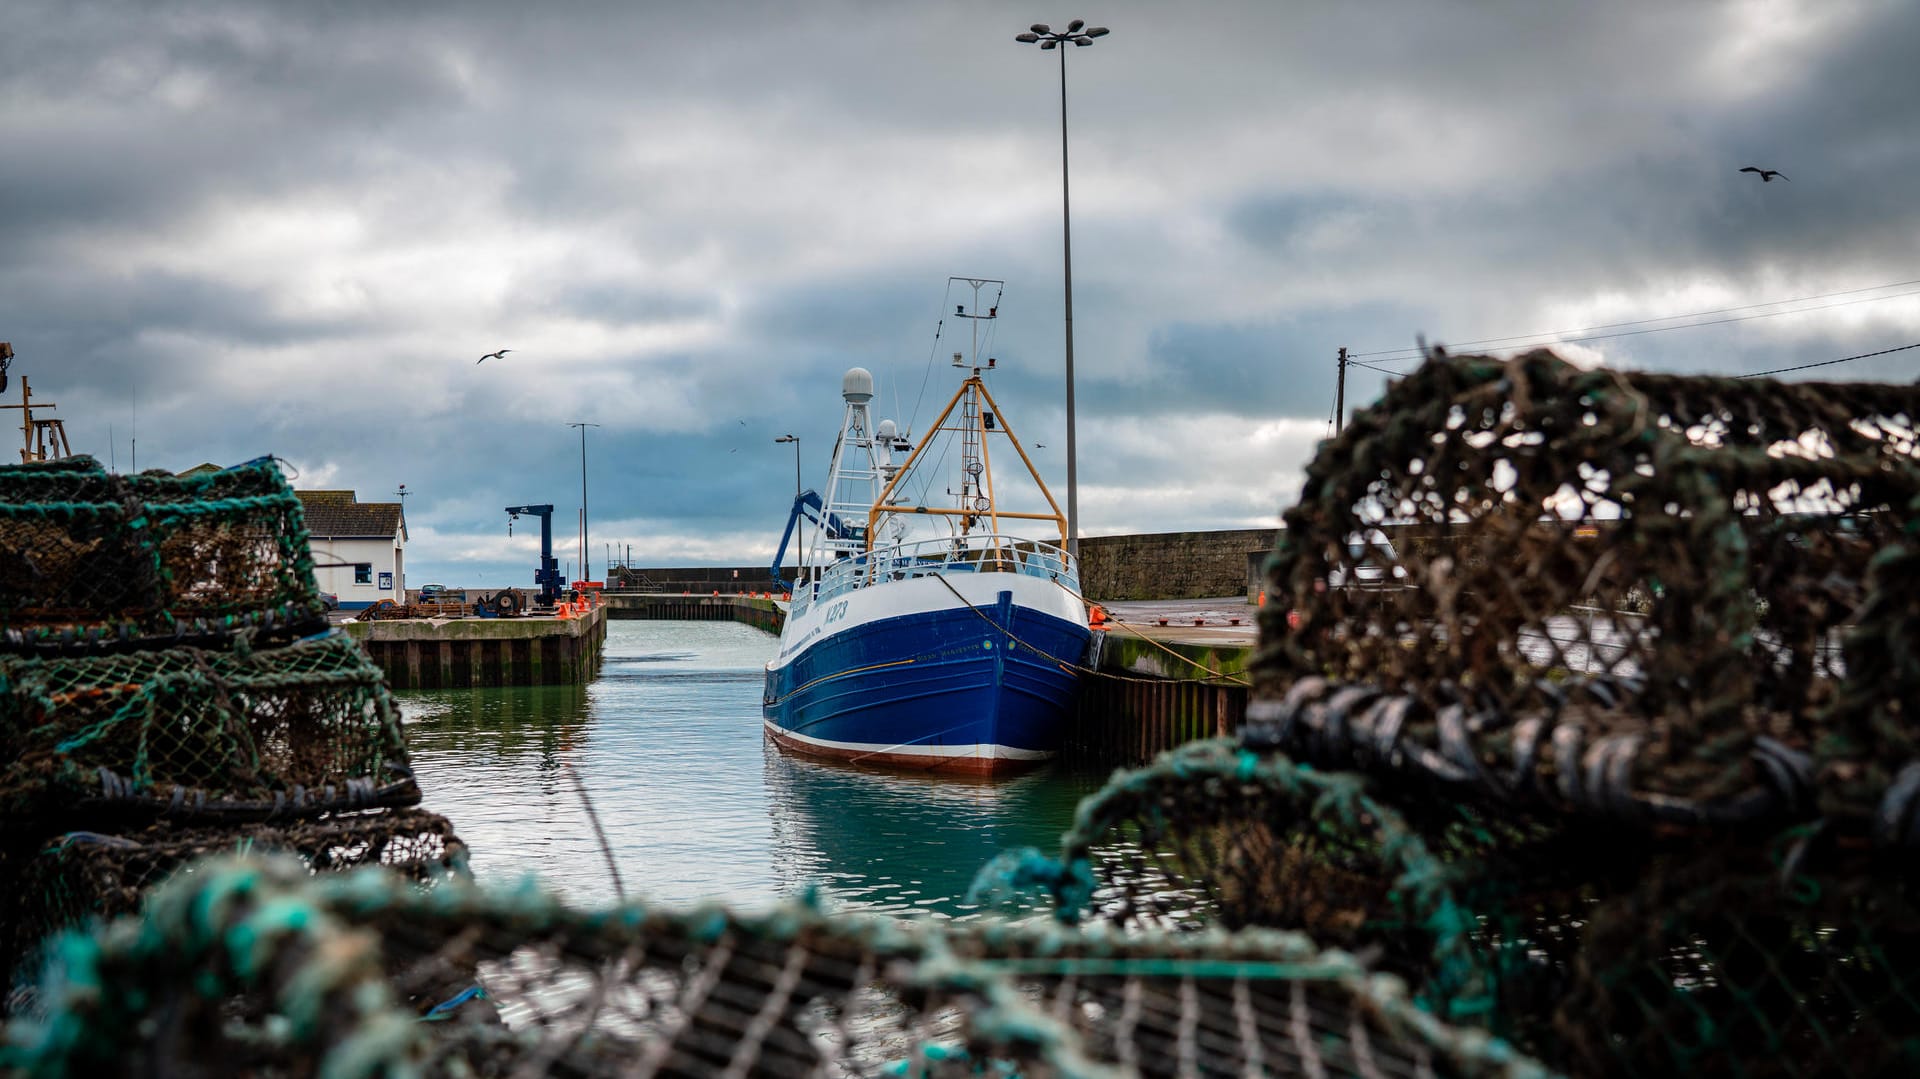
(1081, 35)
(795, 439)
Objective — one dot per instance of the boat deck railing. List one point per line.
(925, 558)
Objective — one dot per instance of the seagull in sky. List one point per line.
(1766, 175)
(492, 356)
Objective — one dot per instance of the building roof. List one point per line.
(338, 515)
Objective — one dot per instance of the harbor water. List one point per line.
(694, 800)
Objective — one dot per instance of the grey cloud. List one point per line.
(1255, 186)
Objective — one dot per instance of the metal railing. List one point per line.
(926, 558)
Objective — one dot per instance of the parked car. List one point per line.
(432, 591)
(330, 601)
(1374, 562)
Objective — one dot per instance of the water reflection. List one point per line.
(905, 842)
(509, 721)
(696, 804)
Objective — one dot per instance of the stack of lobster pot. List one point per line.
(1585, 704)
(170, 687)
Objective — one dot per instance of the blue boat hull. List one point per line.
(943, 690)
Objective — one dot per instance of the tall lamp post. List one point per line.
(586, 567)
(795, 439)
(1081, 35)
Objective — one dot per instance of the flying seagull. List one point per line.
(492, 356)
(1766, 175)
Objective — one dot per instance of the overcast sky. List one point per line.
(243, 229)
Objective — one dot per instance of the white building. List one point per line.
(359, 548)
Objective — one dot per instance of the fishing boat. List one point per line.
(927, 629)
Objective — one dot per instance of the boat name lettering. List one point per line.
(836, 612)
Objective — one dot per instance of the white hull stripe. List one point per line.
(915, 749)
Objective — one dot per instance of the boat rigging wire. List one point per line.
(934, 351)
(1213, 677)
(600, 834)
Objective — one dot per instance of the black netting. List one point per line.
(79, 876)
(88, 558)
(1796, 959)
(1626, 594)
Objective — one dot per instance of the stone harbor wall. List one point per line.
(1170, 565)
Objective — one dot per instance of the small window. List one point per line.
(363, 573)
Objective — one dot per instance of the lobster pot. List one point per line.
(88, 558)
(1589, 945)
(82, 876)
(215, 964)
(190, 734)
(1594, 590)
(1214, 836)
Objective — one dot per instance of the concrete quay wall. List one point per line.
(757, 612)
(463, 653)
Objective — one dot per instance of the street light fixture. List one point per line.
(795, 439)
(586, 566)
(1081, 35)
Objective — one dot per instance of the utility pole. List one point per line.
(1340, 395)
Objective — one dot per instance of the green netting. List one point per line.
(1215, 835)
(189, 733)
(80, 876)
(266, 970)
(1601, 591)
(89, 559)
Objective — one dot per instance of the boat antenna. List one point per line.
(977, 316)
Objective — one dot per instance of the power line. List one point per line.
(1351, 362)
(1828, 363)
(1756, 374)
(1561, 335)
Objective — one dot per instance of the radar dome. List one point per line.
(857, 386)
(888, 430)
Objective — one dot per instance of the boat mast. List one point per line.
(978, 416)
(976, 483)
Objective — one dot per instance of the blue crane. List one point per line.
(548, 575)
(807, 505)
